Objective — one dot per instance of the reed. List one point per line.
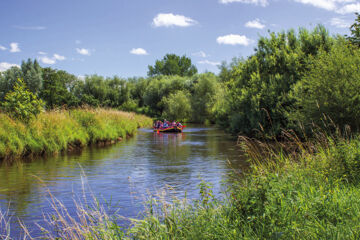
(56, 131)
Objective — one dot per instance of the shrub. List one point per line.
(21, 103)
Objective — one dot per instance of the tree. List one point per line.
(56, 86)
(172, 64)
(21, 103)
(32, 75)
(330, 89)
(177, 106)
(355, 31)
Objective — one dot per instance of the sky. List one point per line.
(123, 37)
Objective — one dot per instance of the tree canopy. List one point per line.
(172, 64)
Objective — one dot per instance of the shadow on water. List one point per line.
(122, 172)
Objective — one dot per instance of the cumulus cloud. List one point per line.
(200, 54)
(169, 20)
(349, 8)
(339, 23)
(262, 3)
(255, 24)
(2, 48)
(5, 66)
(37, 28)
(233, 39)
(83, 51)
(50, 60)
(138, 51)
(14, 47)
(47, 60)
(209, 62)
(338, 6)
(59, 57)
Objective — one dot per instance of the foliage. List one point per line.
(56, 131)
(172, 64)
(355, 31)
(55, 88)
(329, 89)
(21, 104)
(177, 106)
(258, 88)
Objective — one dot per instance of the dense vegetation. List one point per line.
(292, 78)
(307, 81)
(57, 131)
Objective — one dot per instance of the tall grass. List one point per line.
(56, 131)
(310, 192)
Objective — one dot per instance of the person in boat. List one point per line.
(166, 123)
(178, 124)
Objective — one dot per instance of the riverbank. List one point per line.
(311, 194)
(56, 131)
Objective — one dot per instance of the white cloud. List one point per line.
(47, 60)
(339, 23)
(5, 66)
(138, 51)
(338, 6)
(83, 51)
(14, 47)
(255, 24)
(262, 3)
(42, 53)
(77, 41)
(349, 8)
(234, 39)
(169, 20)
(59, 57)
(209, 62)
(2, 48)
(37, 28)
(200, 54)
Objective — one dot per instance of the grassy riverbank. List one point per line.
(314, 194)
(56, 131)
(311, 193)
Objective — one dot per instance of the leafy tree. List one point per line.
(177, 106)
(258, 88)
(330, 89)
(8, 80)
(206, 89)
(32, 75)
(56, 86)
(172, 64)
(355, 31)
(21, 103)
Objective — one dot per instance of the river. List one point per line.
(122, 173)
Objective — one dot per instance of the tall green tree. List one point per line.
(32, 75)
(56, 88)
(173, 64)
(355, 31)
(329, 91)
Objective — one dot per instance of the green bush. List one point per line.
(21, 103)
(330, 89)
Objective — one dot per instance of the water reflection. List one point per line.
(119, 172)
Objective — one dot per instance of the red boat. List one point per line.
(172, 129)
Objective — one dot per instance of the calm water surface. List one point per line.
(122, 173)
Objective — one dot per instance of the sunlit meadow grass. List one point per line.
(56, 131)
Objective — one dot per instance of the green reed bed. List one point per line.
(314, 194)
(56, 131)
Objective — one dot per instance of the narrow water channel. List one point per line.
(122, 173)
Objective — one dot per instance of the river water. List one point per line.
(120, 175)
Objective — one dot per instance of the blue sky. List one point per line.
(123, 37)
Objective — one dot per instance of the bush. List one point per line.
(21, 103)
(330, 89)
